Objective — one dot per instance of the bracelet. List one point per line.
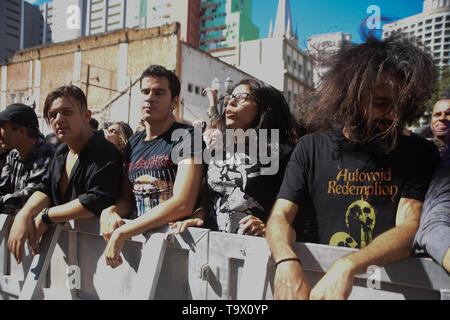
(288, 259)
(45, 217)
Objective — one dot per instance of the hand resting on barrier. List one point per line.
(250, 225)
(197, 219)
(290, 282)
(109, 221)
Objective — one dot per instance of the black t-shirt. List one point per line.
(352, 194)
(152, 165)
(238, 186)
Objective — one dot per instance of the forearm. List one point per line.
(280, 237)
(72, 210)
(35, 204)
(11, 202)
(168, 211)
(391, 246)
(446, 260)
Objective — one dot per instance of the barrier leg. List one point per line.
(40, 264)
(150, 267)
(254, 274)
(5, 225)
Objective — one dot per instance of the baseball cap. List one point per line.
(20, 114)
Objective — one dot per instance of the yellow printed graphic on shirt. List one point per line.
(360, 221)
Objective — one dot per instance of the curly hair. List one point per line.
(346, 94)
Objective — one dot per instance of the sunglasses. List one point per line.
(240, 98)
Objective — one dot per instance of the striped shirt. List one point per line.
(20, 177)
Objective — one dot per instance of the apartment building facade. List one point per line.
(225, 23)
(431, 27)
(65, 20)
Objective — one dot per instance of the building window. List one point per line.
(190, 87)
(12, 98)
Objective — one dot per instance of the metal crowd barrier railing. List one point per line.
(197, 265)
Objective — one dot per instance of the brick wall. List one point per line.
(55, 65)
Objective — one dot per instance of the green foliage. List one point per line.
(442, 85)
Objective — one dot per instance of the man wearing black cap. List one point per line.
(28, 160)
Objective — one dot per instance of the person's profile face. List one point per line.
(112, 134)
(9, 137)
(241, 109)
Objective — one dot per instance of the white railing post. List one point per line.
(254, 274)
(40, 264)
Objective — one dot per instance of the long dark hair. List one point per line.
(273, 112)
(398, 62)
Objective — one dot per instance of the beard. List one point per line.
(379, 137)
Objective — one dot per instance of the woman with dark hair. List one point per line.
(240, 189)
(118, 134)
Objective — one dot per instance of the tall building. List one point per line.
(277, 59)
(17, 27)
(431, 27)
(225, 23)
(321, 47)
(153, 13)
(71, 19)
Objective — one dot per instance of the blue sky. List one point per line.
(37, 2)
(322, 16)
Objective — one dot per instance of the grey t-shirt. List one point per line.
(433, 236)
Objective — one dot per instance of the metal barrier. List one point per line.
(197, 265)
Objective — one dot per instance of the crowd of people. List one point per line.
(353, 177)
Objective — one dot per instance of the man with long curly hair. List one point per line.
(365, 181)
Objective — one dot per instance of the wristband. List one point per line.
(45, 217)
(288, 259)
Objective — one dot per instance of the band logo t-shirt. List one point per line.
(353, 193)
(151, 169)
